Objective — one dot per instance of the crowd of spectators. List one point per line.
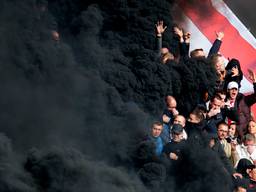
(224, 119)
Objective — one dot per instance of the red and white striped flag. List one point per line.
(203, 17)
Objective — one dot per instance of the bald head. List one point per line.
(180, 119)
(170, 101)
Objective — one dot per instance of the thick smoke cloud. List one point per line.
(80, 105)
(69, 170)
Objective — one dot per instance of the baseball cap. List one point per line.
(177, 128)
(232, 85)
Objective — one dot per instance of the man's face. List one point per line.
(156, 130)
(179, 120)
(222, 131)
(249, 143)
(219, 65)
(171, 103)
(215, 104)
(233, 93)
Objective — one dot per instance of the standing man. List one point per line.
(217, 114)
(170, 112)
(228, 147)
(154, 136)
(241, 102)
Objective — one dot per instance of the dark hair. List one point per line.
(158, 123)
(193, 53)
(220, 92)
(198, 113)
(222, 123)
(216, 96)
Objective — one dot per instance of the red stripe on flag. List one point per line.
(209, 20)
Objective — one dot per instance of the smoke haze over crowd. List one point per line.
(73, 110)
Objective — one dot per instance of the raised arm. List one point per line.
(184, 41)
(251, 99)
(216, 44)
(160, 29)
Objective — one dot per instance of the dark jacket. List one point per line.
(215, 47)
(223, 157)
(243, 104)
(228, 78)
(174, 147)
(212, 122)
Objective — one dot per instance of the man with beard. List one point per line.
(241, 102)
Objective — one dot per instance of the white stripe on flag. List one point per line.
(223, 9)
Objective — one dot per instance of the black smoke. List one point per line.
(74, 110)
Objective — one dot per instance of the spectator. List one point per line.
(163, 52)
(232, 133)
(216, 114)
(195, 124)
(184, 41)
(216, 146)
(173, 149)
(180, 119)
(219, 64)
(222, 95)
(233, 73)
(251, 170)
(168, 116)
(154, 136)
(247, 149)
(228, 147)
(242, 103)
(199, 53)
(242, 167)
(252, 127)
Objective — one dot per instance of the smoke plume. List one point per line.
(73, 108)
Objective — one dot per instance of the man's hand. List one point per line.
(236, 175)
(179, 32)
(160, 28)
(173, 156)
(233, 145)
(175, 111)
(219, 35)
(187, 36)
(166, 119)
(252, 76)
(213, 112)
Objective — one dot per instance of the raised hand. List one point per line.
(187, 36)
(219, 35)
(178, 31)
(252, 76)
(160, 28)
